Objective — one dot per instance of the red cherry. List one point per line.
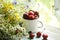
(36, 13)
(31, 17)
(31, 13)
(36, 16)
(25, 16)
(45, 36)
(38, 34)
(31, 35)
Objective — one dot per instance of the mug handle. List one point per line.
(41, 24)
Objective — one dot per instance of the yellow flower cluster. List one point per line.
(10, 13)
(8, 7)
(15, 17)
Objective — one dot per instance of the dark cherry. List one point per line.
(25, 16)
(36, 13)
(36, 16)
(31, 35)
(45, 36)
(38, 34)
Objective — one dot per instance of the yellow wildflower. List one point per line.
(10, 17)
(8, 7)
(17, 16)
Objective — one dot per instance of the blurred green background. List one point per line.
(48, 3)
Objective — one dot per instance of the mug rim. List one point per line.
(31, 20)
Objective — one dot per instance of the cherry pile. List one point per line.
(31, 15)
(39, 34)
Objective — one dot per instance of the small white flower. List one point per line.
(1, 5)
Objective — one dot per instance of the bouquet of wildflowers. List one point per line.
(9, 18)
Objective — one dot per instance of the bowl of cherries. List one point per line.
(31, 20)
(31, 15)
